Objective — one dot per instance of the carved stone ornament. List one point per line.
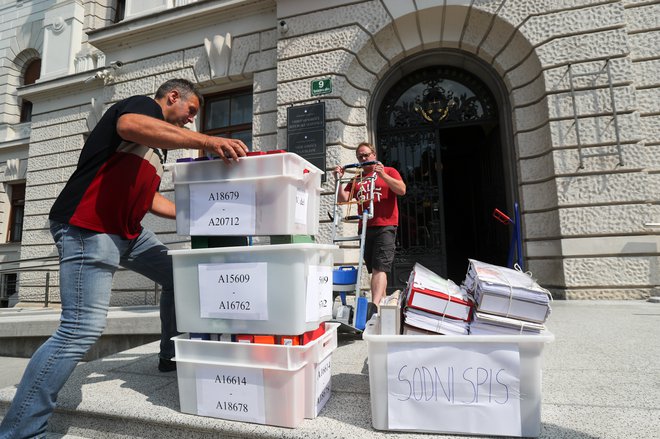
(58, 25)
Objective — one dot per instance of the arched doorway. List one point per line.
(439, 127)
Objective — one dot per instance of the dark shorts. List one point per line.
(379, 248)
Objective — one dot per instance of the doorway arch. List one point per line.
(441, 120)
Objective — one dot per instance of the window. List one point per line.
(16, 212)
(32, 73)
(120, 11)
(229, 115)
(7, 288)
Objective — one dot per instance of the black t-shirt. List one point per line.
(115, 181)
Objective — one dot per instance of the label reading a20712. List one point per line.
(223, 208)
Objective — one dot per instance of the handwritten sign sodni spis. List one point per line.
(469, 388)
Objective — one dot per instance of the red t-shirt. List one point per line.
(386, 209)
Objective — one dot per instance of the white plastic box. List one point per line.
(286, 372)
(287, 268)
(286, 190)
(480, 422)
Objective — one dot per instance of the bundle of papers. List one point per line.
(506, 292)
(434, 304)
(492, 324)
(434, 323)
(433, 294)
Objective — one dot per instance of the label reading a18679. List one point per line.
(222, 208)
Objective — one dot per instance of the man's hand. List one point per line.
(379, 169)
(225, 148)
(338, 171)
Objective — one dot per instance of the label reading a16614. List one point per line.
(230, 392)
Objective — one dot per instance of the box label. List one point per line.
(231, 392)
(471, 388)
(223, 208)
(323, 383)
(319, 293)
(300, 216)
(233, 291)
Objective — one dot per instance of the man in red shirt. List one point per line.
(381, 229)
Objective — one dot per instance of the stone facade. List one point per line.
(587, 229)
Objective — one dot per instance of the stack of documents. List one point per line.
(507, 301)
(492, 324)
(435, 304)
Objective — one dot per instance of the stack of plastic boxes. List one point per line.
(281, 290)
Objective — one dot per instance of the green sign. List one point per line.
(321, 87)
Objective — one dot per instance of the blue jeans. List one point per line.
(88, 261)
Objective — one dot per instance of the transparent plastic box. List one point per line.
(279, 181)
(265, 355)
(530, 348)
(288, 372)
(287, 270)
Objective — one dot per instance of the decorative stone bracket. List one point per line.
(219, 54)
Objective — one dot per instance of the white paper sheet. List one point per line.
(300, 215)
(319, 293)
(231, 392)
(233, 290)
(471, 388)
(223, 208)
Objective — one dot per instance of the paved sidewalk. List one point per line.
(601, 379)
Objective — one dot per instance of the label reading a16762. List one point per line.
(223, 208)
(233, 290)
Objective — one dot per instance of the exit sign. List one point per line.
(321, 87)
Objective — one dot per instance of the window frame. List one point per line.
(16, 204)
(229, 130)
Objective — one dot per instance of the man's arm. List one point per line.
(150, 131)
(342, 195)
(397, 186)
(163, 207)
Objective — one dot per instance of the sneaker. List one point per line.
(165, 365)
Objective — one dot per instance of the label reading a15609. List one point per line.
(233, 290)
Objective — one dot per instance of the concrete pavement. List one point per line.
(601, 379)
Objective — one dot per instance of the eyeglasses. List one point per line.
(364, 156)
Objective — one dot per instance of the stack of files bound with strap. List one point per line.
(435, 304)
(483, 323)
(507, 300)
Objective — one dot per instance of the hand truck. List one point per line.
(347, 279)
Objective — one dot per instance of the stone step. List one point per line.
(23, 330)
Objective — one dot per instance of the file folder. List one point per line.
(428, 292)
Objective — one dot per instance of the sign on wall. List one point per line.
(321, 86)
(306, 133)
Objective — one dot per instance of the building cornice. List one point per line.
(78, 83)
(182, 19)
